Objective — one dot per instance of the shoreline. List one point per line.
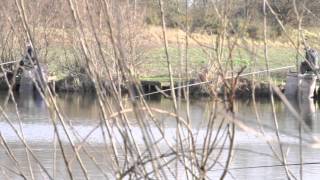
(70, 84)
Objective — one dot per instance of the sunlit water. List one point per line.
(253, 159)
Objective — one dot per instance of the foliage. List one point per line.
(203, 16)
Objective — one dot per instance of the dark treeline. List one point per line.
(203, 15)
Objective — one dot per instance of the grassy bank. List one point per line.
(151, 63)
(154, 66)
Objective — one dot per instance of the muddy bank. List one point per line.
(244, 87)
(75, 84)
(84, 84)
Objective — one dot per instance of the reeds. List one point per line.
(108, 50)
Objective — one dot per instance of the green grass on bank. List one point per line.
(153, 65)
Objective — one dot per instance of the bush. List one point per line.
(253, 32)
(152, 20)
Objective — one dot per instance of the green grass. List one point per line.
(155, 65)
(58, 59)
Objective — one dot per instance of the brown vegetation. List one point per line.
(105, 40)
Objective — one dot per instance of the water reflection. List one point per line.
(307, 110)
(31, 100)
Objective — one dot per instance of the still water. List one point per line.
(252, 156)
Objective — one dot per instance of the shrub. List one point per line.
(253, 32)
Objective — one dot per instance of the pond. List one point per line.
(252, 157)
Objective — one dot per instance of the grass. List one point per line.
(155, 62)
(155, 66)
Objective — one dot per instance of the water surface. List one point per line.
(253, 159)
